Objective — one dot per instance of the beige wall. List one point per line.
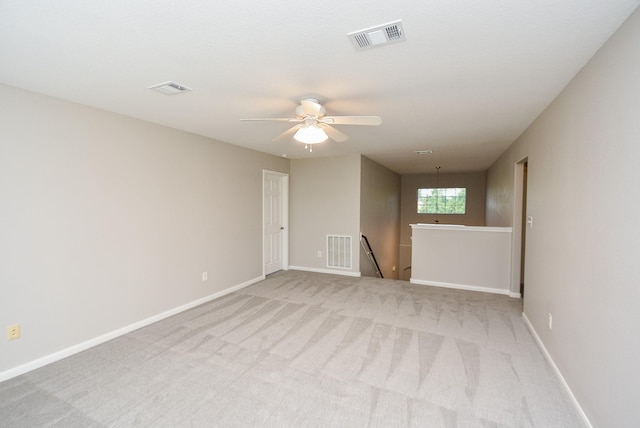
(462, 257)
(108, 220)
(325, 200)
(500, 190)
(380, 217)
(582, 252)
(475, 213)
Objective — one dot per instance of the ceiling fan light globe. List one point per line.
(310, 135)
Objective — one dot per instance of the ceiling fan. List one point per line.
(313, 126)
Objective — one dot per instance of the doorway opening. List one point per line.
(519, 231)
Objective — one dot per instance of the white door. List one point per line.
(275, 210)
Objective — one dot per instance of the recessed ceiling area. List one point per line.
(466, 80)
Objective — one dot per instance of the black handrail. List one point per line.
(369, 251)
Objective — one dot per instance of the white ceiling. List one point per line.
(469, 79)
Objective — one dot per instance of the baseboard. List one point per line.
(556, 370)
(56, 356)
(329, 271)
(515, 295)
(459, 286)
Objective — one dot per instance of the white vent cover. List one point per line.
(378, 36)
(169, 88)
(339, 251)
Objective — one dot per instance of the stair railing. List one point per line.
(369, 252)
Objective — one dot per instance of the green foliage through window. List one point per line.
(452, 200)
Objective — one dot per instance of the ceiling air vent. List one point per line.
(377, 36)
(170, 88)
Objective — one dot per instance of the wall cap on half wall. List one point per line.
(460, 227)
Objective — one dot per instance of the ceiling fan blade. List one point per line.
(352, 120)
(311, 107)
(288, 133)
(274, 119)
(333, 133)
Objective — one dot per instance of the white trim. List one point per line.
(52, 358)
(285, 221)
(515, 295)
(459, 286)
(329, 271)
(556, 370)
(516, 221)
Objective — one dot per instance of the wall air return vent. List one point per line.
(169, 88)
(339, 251)
(377, 36)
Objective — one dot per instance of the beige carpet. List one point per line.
(308, 350)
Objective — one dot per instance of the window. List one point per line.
(452, 200)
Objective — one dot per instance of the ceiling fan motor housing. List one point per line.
(301, 112)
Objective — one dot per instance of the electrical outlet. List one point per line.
(550, 321)
(205, 276)
(319, 254)
(13, 332)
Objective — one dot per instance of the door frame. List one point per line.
(284, 201)
(517, 261)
